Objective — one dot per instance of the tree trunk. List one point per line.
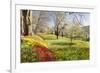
(30, 23)
(71, 39)
(25, 26)
(26, 22)
(57, 33)
(62, 34)
(37, 24)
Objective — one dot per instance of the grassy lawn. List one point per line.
(45, 47)
(63, 50)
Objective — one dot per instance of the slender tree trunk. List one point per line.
(21, 22)
(62, 34)
(57, 32)
(37, 24)
(71, 39)
(25, 25)
(30, 23)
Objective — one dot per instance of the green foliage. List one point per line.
(63, 51)
(26, 53)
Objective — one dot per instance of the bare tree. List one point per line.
(37, 23)
(40, 21)
(58, 25)
(75, 30)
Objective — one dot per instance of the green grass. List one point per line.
(65, 50)
(62, 48)
(47, 36)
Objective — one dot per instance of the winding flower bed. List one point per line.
(34, 48)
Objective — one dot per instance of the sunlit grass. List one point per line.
(62, 47)
(65, 50)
